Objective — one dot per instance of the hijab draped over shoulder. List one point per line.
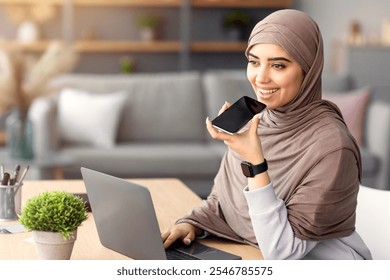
(298, 140)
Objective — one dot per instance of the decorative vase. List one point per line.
(28, 32)
(19, 133)
(52, 245)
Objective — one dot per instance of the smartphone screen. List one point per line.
(238, 115)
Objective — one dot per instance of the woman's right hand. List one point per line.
(184, 231)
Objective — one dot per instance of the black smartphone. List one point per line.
(238, 115)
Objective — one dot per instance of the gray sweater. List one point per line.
(276, 238)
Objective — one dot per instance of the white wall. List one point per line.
(334, 17)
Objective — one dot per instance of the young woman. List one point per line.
(300, 202)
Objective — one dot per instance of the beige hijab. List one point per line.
(314, 162)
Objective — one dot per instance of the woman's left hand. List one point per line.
(247, 144)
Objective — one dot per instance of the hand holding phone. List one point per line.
(238, 115)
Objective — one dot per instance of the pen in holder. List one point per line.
(10, 201)
(11, 193)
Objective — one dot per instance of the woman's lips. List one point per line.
(267, 93)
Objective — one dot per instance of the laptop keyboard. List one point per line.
(197, 251)
(173, 254)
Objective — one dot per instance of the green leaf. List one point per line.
(56, 211)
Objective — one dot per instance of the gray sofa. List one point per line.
(161, 129)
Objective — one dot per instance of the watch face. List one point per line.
(246, 169)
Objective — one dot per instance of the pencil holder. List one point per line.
(10, 202)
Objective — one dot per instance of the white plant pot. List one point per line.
(147, 34)
(233, 34)
(53, 246)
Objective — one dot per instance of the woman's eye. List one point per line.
(253, 62)
(278, 66)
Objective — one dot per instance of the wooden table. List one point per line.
(171, 198)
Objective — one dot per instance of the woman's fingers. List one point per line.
(184, 231)
(165, 235)
(215, 133)
(254, 124)
(189, 238)
(170, 238)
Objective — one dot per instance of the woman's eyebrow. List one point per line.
(278, 58)
(271, 58)
(251, 54)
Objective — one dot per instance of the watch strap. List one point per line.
(251, 170)
(260, 168)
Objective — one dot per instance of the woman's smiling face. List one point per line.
(273, 74)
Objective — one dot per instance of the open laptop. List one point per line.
(126, 221)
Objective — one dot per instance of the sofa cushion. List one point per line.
(353, 106)
(149, 160)
(89, 118)
(224, 85)
(164, 107)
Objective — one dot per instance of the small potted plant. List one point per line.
(148, 23)
(53, 217)
(236, 22)
(127, 64)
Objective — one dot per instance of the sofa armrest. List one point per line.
(43, 115)
(378, 139)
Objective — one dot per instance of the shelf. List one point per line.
(218, 46)
(29, 2)
(166, 3)
(111, 3)
(128, 46)
(241, 3)
(369, 47)
(29, 47)
(132, 46)
(101, 46)
(184, 46)
(129, 3)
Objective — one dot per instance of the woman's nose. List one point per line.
(262, 76)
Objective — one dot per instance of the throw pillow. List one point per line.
(353, 106)
(89, 118)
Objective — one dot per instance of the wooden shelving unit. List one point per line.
(102, 46)
(132, 46)
(166, 3)
(183, 46)
(129, 3)
(106, 46)
(241, 3)
(128, 46)
(29, 2)
(103, 3)
(226, 46)
(39, 46)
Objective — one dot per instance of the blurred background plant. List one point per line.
(148, 24)
(127, 64)
(237, 21)
(24, 78)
